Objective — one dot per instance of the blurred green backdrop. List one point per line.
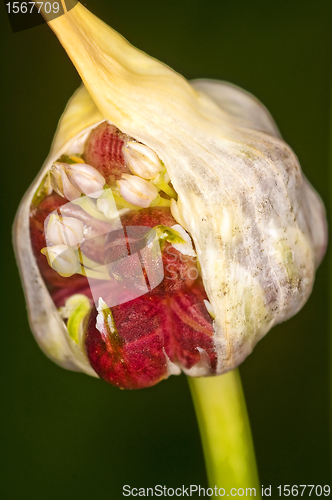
(65, 435)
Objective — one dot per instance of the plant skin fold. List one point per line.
(225, 432)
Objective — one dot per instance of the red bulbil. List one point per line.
(103, 151)
(180, 271)
(167, 324)
(191, 328)
(150, 217)
(133, 357)
(147, 329)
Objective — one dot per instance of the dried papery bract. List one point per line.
(257, 226)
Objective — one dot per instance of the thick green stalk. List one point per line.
(225, 432)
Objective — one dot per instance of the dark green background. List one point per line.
(65, 435)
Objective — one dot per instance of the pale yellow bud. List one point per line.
(137, 191)
(186, 248)
(62, 259)
(141, 160)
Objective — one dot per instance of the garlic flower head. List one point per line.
(257, 226)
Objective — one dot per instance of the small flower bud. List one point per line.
(62, 259)
(64, 230)
(61, 184)
(185, 248)
(75, 310)
(72, 180)
(86, 179)
(141, 160)
(137, 191)
(209, 308)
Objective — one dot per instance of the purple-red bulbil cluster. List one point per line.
(138, 342)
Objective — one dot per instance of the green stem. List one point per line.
(160, 202)
(162, 184)
(225, 432)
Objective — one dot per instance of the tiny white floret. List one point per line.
(137, 191)
(142, 160)
(187, 247)
(64, 230)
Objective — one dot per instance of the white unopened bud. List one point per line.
(63, 260)
(141, 160)
(64, 230)
(209, 309)
(185, 248)
(72, 180)
(86, 179)
(137, 191)
(61, 184)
